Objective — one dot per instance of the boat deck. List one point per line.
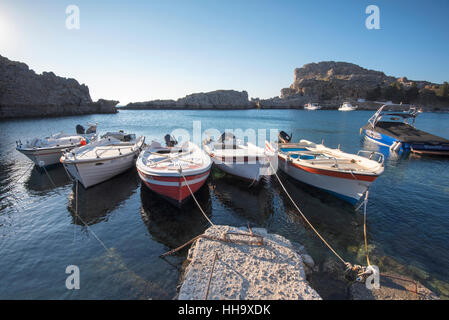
(406, 133)
(105, 151)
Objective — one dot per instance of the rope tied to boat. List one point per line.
(307, 220)
(76, 207)
(355, 272)
(193, 196)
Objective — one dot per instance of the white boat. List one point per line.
(347, 176)
(174, 172)
(101, 160)
(347, 106)
(48, 151)
(312, 106)
(233, 156)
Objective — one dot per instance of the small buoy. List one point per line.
(83, 142)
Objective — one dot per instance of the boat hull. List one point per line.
(44, 157)
(95, 172)
(348, 187)
(418, 148)
(248, 170)
(174, 188)
(379, 138)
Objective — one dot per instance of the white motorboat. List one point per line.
(312, 106)
(101, 160)
(347, 106)
(48, 151)
(347, 176)
(174, 172)
(233, 156)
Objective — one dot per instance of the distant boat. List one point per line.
(396, 130)
(347, 176)
(233, 156)
(312, 106)
(174, 172)
(47, 151)
(101, 160)
(346, 106)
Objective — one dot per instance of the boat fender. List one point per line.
(393, 145)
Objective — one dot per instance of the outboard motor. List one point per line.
(284, 137)
(170, 141)
(226, 136)
(79, 129)
(92, 129)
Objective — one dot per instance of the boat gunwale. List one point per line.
(138, 143)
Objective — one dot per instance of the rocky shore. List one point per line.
(219, 99)
(24, 94)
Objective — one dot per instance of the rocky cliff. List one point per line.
(219, 99)
(330, 83)
(23, 93)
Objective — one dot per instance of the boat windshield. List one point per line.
(406, 116)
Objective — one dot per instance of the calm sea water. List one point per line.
(408, 215)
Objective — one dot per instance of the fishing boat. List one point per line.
(347, 176)
(312, 106)
(347, 106)
(396, 130)
(101, 160)
(241, 159)
(47, 151)
(174, 172)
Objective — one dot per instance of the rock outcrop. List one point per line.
(241, 268)
(330, 83)
(23, 93)
(219, 99)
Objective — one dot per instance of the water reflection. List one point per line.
(250, 203)
(95, 203)
(40, 182)
(174, 226)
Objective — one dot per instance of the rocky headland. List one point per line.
(219, 99)
(25, 94)
(328, 83)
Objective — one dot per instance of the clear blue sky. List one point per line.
(141, 50)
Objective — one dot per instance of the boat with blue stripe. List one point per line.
(396, 130)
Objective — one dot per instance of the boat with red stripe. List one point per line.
(347, 176)
(174, 172)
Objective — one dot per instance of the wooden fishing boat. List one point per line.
(174, 172)
(233, 156)
(344, 175)
(101, 160)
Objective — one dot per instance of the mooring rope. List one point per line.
(76, 209)
(194, 198)
(308, 222)
(23, 174)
